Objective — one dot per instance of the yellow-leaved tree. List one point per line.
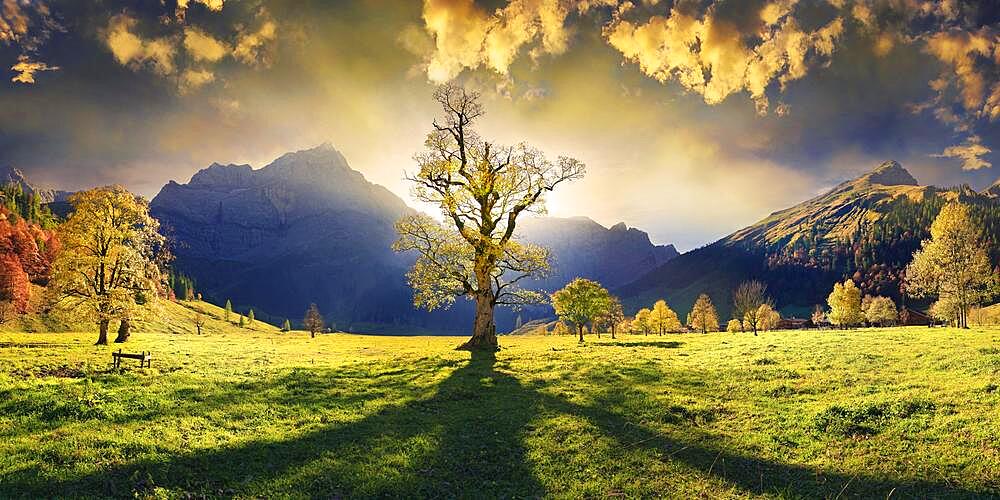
(580, 302)
(767, 318)
(109, 266)
(703, 317)
(481, 188)
(953, 265)
(663, 319)
(641, 321)
(845, 305)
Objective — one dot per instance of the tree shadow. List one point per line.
(465, 439)
(645, 343)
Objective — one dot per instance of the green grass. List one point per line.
(869, 413)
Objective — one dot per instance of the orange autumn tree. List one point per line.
(26, 254)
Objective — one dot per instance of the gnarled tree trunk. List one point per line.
(102, 327)
(125, 329)
(484, 329)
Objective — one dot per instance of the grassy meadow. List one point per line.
(896, 413)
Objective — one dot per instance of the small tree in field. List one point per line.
(845, 305)
(229, 310)
(580, 302)
(703, 317)
(286, 326)
(641, 322)
(953, 264)
(313, 320)
(879, 310)
(663, 319)
(818, 315)
(482, 188)
(107, 268)
(614, 316)
(242, 323)
(198, 320)
(747, 299)
(734, 326)
(767, 317)
(250, 319)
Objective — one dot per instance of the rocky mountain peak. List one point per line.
(994, 190)
(218, 175)
(890, 173)
(12, 175)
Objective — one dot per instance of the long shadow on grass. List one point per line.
(464, 440)
(662, 345)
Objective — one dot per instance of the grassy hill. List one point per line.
(168, 317)
(868, 413)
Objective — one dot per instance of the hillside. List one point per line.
(902, 412)
(308, 228)
(168, 317)
(866, 229)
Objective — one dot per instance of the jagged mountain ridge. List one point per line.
(308, 228)
(581, 247)
(10, 175)
(866, 229)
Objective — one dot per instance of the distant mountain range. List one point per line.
(866, 229)
(308, 228)
(10, 175)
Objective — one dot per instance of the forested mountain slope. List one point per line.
(866, 229)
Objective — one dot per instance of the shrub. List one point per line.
(734, 326)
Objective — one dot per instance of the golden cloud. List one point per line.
(465, 36)
(202, 46)
(968, 56)
(970, 152)
(26, 69)
(708, 55)
(13, 22)
(212, 5)
(192, 79)
(254, 47)
(132, 50)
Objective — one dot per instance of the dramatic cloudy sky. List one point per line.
(693, 117)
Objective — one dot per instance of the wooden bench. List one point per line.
(145, 358)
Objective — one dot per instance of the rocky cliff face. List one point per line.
(994, 190)
(583, 248)
(307, 228)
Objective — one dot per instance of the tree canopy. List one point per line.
(481, 188)
(582, 302)
(845, 305)
(703, 317)
(747, 299)
(953, 265)
(314, 320)
(108, 267)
